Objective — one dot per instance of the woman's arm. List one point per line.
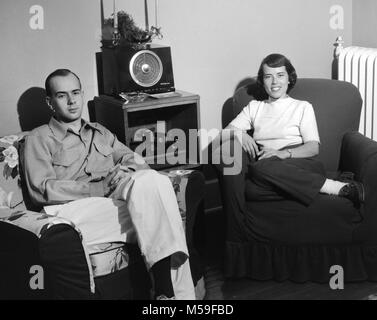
(307, 150)
(247, 142)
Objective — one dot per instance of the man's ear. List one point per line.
(48, 101)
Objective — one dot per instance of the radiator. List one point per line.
(358, 65)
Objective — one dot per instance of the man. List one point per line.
(80, 165)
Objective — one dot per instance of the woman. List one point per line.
(285, 142)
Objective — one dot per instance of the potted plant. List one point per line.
(129, 33)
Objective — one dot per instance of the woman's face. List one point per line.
(275, 82)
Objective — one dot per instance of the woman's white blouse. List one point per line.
(279, 124)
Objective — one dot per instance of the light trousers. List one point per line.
(143, 209)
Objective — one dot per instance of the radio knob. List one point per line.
(146, 68)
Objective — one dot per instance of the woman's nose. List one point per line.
(274, 79)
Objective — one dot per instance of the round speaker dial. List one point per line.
(146, 68)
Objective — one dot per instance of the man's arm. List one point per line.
(43, 186)
(126, 157)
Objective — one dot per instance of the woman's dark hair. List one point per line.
(276, 60)
(58, 73)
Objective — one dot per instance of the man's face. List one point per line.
(66, 98)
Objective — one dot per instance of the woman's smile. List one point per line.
(275, 82)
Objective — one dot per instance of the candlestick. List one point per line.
(156, 13)
(115, 16)
(146, 15)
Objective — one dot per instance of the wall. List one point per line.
(69, 39)
(364, 17)
(215, 44)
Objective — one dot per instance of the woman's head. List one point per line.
(276, 75)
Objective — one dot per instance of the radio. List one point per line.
(129, 70)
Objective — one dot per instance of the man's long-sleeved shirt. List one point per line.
(61, 165)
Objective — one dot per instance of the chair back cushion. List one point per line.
(337, 106)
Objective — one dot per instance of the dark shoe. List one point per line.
(353, 191)
(163, 297)
(347, 177)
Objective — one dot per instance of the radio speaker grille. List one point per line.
(146, 68)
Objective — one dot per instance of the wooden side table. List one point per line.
(179, 110)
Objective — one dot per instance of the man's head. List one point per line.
(64, 95)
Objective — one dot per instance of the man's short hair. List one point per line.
(58, 73)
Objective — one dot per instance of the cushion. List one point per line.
(11, 198)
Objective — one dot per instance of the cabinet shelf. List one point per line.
(159, 116)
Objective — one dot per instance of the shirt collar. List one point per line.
(60, 129)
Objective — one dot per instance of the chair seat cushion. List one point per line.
(287, 240)
(327, 220)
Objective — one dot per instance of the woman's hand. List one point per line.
(248, 143)
(268, 153)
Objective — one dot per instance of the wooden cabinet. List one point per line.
(163, 130)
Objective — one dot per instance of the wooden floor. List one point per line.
(218, 288)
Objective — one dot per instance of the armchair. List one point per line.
(284, 240)
(29, 238)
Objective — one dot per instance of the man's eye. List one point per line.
(76, 93)
(60, 96)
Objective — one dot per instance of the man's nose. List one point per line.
(71, 99)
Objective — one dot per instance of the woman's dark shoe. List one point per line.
(353, 191)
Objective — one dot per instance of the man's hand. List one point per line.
(248, 143)
(115, 175)
(268, 153)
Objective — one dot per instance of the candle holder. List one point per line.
(116, 37)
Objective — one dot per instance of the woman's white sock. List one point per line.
(332, 187)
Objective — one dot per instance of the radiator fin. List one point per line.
(358, 65)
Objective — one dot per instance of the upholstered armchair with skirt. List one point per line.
(285, 239)
(71, 269)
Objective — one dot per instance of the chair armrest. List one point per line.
(359, 155)
(66, 266)
(18, 253)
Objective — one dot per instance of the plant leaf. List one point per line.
(14, 172)
(7, 171)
